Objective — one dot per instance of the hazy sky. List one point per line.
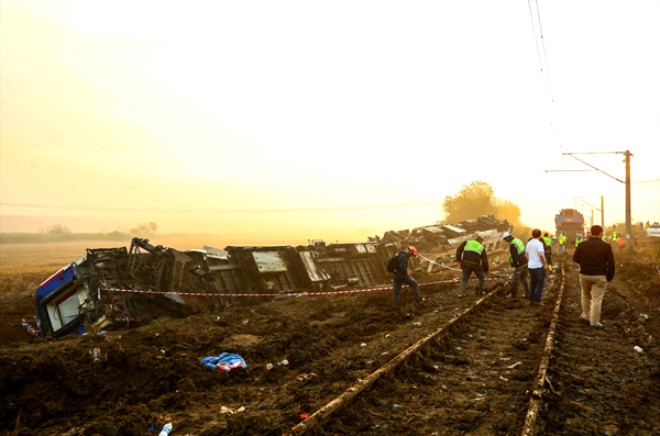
(279, 121)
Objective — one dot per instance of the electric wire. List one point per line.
(213, 211)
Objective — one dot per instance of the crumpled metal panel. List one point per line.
(269, 261)
(315, 273)
(453, 231)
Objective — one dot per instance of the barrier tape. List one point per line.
(292, 294)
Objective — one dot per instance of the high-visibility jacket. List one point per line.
(577, 241)
(547, 241)
(472, 252)
(474, 245)
(562, 239)
(517, 253)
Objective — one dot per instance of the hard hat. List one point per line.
(579, 235)
(479, 238)
(506, 235)
(412, 250)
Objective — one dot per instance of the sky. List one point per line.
(282, 121)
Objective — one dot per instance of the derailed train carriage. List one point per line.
(113, 286)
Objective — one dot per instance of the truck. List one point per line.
(571, 222)
(654, 230)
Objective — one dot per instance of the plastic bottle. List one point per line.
(167, 428)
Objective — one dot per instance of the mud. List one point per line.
(150, 373)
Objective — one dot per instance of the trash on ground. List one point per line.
(31, 330)
(230, 411)
(167, 429)
(224, 362)
(96, 354)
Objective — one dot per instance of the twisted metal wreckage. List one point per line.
(113, 286)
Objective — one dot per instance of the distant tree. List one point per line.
(472, 201)
(145, 229)
(509, 211)
(59, 229)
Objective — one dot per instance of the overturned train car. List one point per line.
(116, 286)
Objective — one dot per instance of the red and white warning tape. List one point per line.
(292, 294)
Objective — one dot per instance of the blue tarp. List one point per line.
(224, 362)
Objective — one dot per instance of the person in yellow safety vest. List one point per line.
(578, 239)
(547, 239)
(562, 243)
(605, 238)
(472, 258)
(614, 236)
(547, 242)
(518, 261)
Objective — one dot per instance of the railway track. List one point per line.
(511, 367)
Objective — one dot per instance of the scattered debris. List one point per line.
(224, 362)
(230, 411)
(167, 429)
(96, 354)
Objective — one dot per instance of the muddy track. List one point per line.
(491, 354)
(476, 365)
(513, 372)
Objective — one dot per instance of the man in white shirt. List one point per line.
(535, 252)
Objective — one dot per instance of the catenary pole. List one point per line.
(628, 154)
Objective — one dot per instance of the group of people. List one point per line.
(530, 262)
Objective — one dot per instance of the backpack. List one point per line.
(392, 263)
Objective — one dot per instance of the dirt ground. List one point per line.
(150, 373)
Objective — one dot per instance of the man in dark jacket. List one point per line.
(472, 257)
(518, 261)
(401, 276)
(596, 262)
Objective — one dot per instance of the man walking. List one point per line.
(472, 257)
(518, 261)
(535, 251)
(400, 276)
(562, 243)
(596, 261)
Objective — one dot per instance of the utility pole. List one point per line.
(628, 154)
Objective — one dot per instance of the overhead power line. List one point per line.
(219, 211)
(541, 52)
